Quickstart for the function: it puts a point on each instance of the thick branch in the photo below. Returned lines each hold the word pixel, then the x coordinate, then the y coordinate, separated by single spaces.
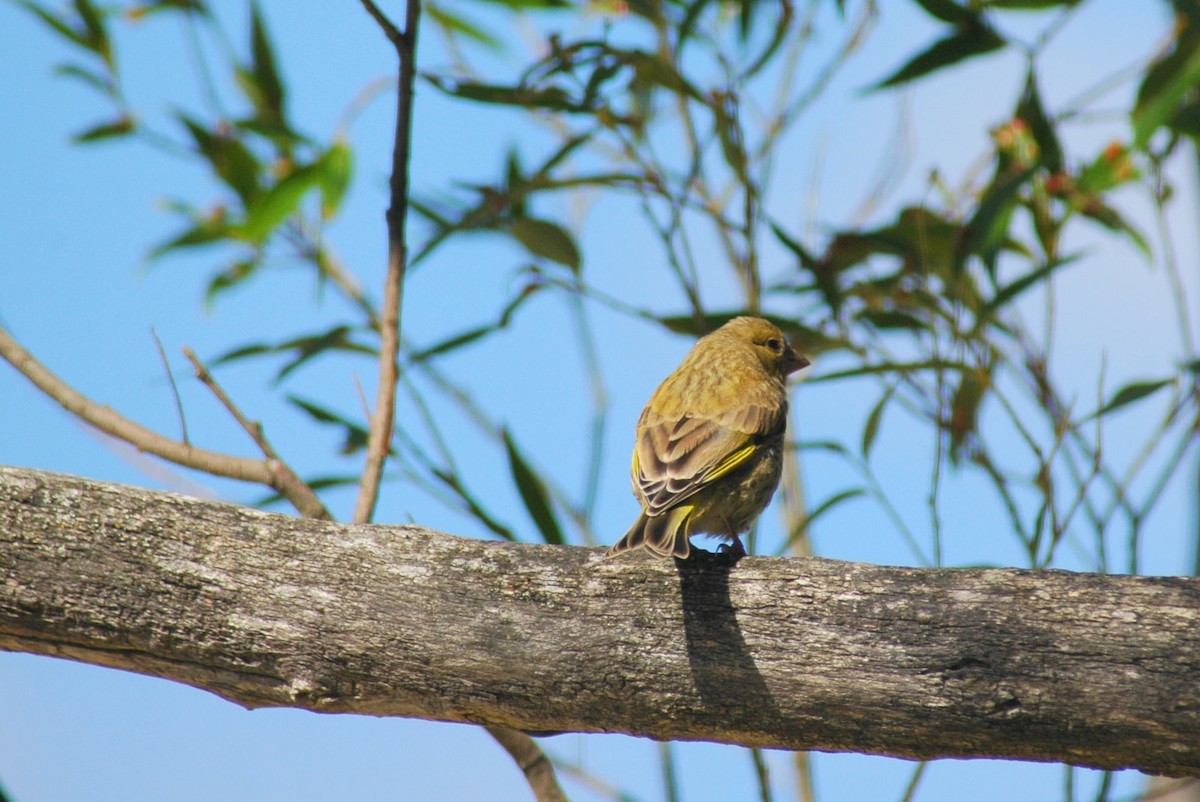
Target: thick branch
pixel 790 653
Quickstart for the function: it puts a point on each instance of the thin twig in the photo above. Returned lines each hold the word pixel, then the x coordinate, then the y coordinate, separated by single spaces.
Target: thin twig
pixel 162 355
pixel 532 761
pixel 383 418
pixel 110 422
pixel 289 485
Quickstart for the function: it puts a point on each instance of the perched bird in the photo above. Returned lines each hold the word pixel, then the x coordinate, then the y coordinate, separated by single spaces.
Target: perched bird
pixel 709 446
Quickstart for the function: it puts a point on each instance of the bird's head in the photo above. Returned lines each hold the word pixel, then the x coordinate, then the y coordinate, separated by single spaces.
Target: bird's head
pixel 768 343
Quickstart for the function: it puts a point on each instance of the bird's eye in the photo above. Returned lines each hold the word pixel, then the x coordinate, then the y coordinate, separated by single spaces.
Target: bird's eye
pixel 775 345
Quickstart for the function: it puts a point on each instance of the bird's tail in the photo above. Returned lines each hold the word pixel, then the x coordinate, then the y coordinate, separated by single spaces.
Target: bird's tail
pixel 665 535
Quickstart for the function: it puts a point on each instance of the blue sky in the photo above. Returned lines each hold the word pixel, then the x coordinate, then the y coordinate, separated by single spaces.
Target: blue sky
pixel 75 290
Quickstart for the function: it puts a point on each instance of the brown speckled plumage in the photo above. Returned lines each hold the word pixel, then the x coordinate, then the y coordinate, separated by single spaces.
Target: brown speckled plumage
pixel 709 445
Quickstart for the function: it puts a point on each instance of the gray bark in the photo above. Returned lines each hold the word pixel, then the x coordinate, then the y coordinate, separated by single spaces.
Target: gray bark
pixel 265 609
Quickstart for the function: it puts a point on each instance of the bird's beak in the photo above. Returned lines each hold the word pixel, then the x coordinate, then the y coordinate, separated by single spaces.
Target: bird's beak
pixel 794 361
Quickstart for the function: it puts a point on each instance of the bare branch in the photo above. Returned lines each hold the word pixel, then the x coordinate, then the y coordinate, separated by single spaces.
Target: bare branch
pixel 291 486
pixel 532 761
pixel 107 420
pixel 383 418
pixel 271 610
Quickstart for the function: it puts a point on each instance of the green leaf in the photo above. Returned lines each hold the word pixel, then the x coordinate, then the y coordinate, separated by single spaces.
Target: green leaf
pixel 334 170
pixel 101 83
pixel 473 504
pixel 230 277
pixel 454 24
pixel 1134 391
pixel 303 348
pixel 1033 112
pixel 1006 294
pixel 204 232
pixel 651 69
pixel 820 510
pixel 452 343
pixel 892 319
pixel 988 227
pixel 964 410
pixel 354 436
pixel 94 34
pixel 873 420
pixel 533 493
pixel 547 240
pixel 1111 219
pixel 274 206
pixel 58 24
pixel 946 11
pixel 552 97
pixel 266 91
pixel 890 367
pixel 1165 85
pixel 955 48
pixel 119 127
pixel 729 133
pixel 232 162
pixel 799 251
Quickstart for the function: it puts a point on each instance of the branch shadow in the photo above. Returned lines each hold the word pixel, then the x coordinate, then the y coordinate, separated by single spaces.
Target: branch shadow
pixel 716 651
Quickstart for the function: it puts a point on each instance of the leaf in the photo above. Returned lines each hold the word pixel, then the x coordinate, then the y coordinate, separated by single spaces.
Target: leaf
pixel 334 169
pixel 651 69
pixel 871 429
pixel 231 160
pixel 267 93
pixel 1134 391
pixel 119 127
pixel 1033 112
pixel 946 11
pixel 533 493
pixel 102 83
pixel 729 133
pixel 204 232
pixel 303 348
pixel 822 508
pixel 452 23
pixel 964 410
pixel 452 343
pixel 960 46
pixel 230 277
pixel 278 203
pixel 892 319
pixel 1111 219
pixel 552 97
pixel 1016 287
pixel 473 504
pixel 799 251
pixel 1165 85
pixel 988 227
pixel 890 367
pixel 547 240
pixel 354 435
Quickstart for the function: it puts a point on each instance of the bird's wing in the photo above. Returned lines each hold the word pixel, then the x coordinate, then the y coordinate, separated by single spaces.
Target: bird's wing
pixel 674 459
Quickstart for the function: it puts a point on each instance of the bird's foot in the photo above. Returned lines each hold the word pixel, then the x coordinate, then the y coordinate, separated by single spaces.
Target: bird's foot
pixel 734 549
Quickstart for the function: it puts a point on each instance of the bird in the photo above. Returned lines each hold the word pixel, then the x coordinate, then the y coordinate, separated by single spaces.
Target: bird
pixel 708 449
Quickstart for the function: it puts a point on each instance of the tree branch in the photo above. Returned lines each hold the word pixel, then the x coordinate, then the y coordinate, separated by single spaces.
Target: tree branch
pixel 383 417
pixel 290 486
pixel 110 422
pixel 268 610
